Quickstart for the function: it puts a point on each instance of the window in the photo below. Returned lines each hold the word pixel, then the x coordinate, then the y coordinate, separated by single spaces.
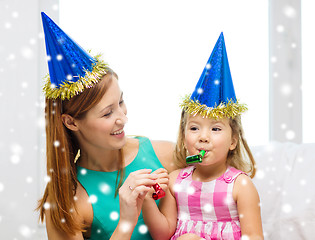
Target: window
pixel 308 80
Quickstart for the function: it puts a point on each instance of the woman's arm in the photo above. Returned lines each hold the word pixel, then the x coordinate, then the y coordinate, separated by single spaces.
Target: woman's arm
pixel 83 215
pixel 161 221
pixel 248 206
pixel 131 197
pixel 56 234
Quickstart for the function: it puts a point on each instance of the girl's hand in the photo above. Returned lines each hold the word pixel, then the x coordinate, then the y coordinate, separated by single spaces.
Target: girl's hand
pixel 162 180
pixel 132 194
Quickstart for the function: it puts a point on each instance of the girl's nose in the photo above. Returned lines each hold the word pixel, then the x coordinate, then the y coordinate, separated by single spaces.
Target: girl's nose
pixel 204 137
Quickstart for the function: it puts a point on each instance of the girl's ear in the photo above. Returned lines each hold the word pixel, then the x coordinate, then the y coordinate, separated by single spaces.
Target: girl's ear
pixel 233 143
pixel 69 122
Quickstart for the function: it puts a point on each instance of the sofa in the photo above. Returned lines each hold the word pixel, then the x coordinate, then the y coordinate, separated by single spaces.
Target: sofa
pixel 285 180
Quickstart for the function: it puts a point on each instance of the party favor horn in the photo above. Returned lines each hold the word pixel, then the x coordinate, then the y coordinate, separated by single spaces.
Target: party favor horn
pixel 195 158
pixel 159 192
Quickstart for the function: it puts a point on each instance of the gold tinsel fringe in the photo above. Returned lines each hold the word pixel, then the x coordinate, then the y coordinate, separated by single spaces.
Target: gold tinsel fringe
pixel 228 110
pixel 68 89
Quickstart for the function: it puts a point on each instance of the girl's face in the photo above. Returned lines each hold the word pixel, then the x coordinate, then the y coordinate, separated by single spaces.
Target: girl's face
pixel 103 125
pixel 213 136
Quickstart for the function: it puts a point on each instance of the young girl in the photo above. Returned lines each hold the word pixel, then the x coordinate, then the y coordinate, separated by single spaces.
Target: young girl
pixel 98 177
pixel 214 199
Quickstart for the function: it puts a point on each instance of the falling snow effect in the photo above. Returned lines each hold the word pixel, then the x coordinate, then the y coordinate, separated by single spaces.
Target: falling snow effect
pixel 200 91
pixel 56 143
pixel 25 231
pixel 105 188
pixel 47 205
pixel 83 171
pixel 284 171
pixel 143 229
pixel 208 208
pixel 93 199
pixel 114 216
pixel 126 227
pixel 283 175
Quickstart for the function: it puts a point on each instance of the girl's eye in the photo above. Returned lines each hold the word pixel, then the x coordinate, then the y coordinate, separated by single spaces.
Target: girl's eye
pixel 215 129
pixel 121 102
pixel 193 128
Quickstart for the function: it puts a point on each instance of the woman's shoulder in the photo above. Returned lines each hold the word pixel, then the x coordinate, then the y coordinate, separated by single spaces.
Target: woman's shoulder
pixel 164 150
pixel 163 146
pixel 159 146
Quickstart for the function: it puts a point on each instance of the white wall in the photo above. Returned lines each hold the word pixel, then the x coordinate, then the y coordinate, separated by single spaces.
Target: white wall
pixel 22 158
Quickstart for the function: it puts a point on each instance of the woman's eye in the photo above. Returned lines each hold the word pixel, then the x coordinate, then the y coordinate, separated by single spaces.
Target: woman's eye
pixel 108 114
pixel 121 102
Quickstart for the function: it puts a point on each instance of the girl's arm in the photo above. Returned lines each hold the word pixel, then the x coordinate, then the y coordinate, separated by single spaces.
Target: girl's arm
pixel 248 206
pixel 161 221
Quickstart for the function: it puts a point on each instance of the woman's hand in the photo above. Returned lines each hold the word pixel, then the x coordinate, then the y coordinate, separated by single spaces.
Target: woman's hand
pixel 132 194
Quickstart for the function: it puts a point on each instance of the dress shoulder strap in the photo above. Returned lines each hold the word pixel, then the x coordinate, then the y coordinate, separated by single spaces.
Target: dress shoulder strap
pixel 231 174
pixel 147 154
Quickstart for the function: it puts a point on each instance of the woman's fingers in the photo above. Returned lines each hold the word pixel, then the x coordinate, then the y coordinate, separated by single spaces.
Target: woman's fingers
pixel 140 177
pixel 134 190
pixel 140 191
pixel 140 182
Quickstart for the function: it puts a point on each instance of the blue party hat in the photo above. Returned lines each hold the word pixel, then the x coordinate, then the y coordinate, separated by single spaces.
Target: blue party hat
pixel 71 68
pixel 214 95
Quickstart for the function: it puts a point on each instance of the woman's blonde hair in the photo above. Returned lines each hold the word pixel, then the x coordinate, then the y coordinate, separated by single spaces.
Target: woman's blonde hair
pixel 61 169
pixel 241 157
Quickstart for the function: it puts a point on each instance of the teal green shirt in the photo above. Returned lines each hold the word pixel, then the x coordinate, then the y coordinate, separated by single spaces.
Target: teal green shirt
pixel 100 186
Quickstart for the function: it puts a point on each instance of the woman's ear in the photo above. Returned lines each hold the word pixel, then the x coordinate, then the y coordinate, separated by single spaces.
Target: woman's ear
pixel 69 122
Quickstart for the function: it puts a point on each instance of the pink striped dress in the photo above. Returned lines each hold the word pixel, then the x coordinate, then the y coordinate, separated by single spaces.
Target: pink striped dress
pixel 207 209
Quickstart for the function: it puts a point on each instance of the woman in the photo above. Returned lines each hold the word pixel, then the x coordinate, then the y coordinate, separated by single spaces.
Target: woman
pixel 100 195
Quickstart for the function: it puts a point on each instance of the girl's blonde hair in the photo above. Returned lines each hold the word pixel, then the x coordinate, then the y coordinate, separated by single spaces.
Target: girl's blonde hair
pixel 241 157
pixel 61 169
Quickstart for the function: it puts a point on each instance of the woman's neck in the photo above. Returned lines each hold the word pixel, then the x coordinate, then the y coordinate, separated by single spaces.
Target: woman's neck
pixel 108 160
pixel 105 160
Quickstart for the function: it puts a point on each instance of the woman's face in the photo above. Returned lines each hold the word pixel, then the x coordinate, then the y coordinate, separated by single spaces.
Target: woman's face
pixel 103 126
pixel 213 136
